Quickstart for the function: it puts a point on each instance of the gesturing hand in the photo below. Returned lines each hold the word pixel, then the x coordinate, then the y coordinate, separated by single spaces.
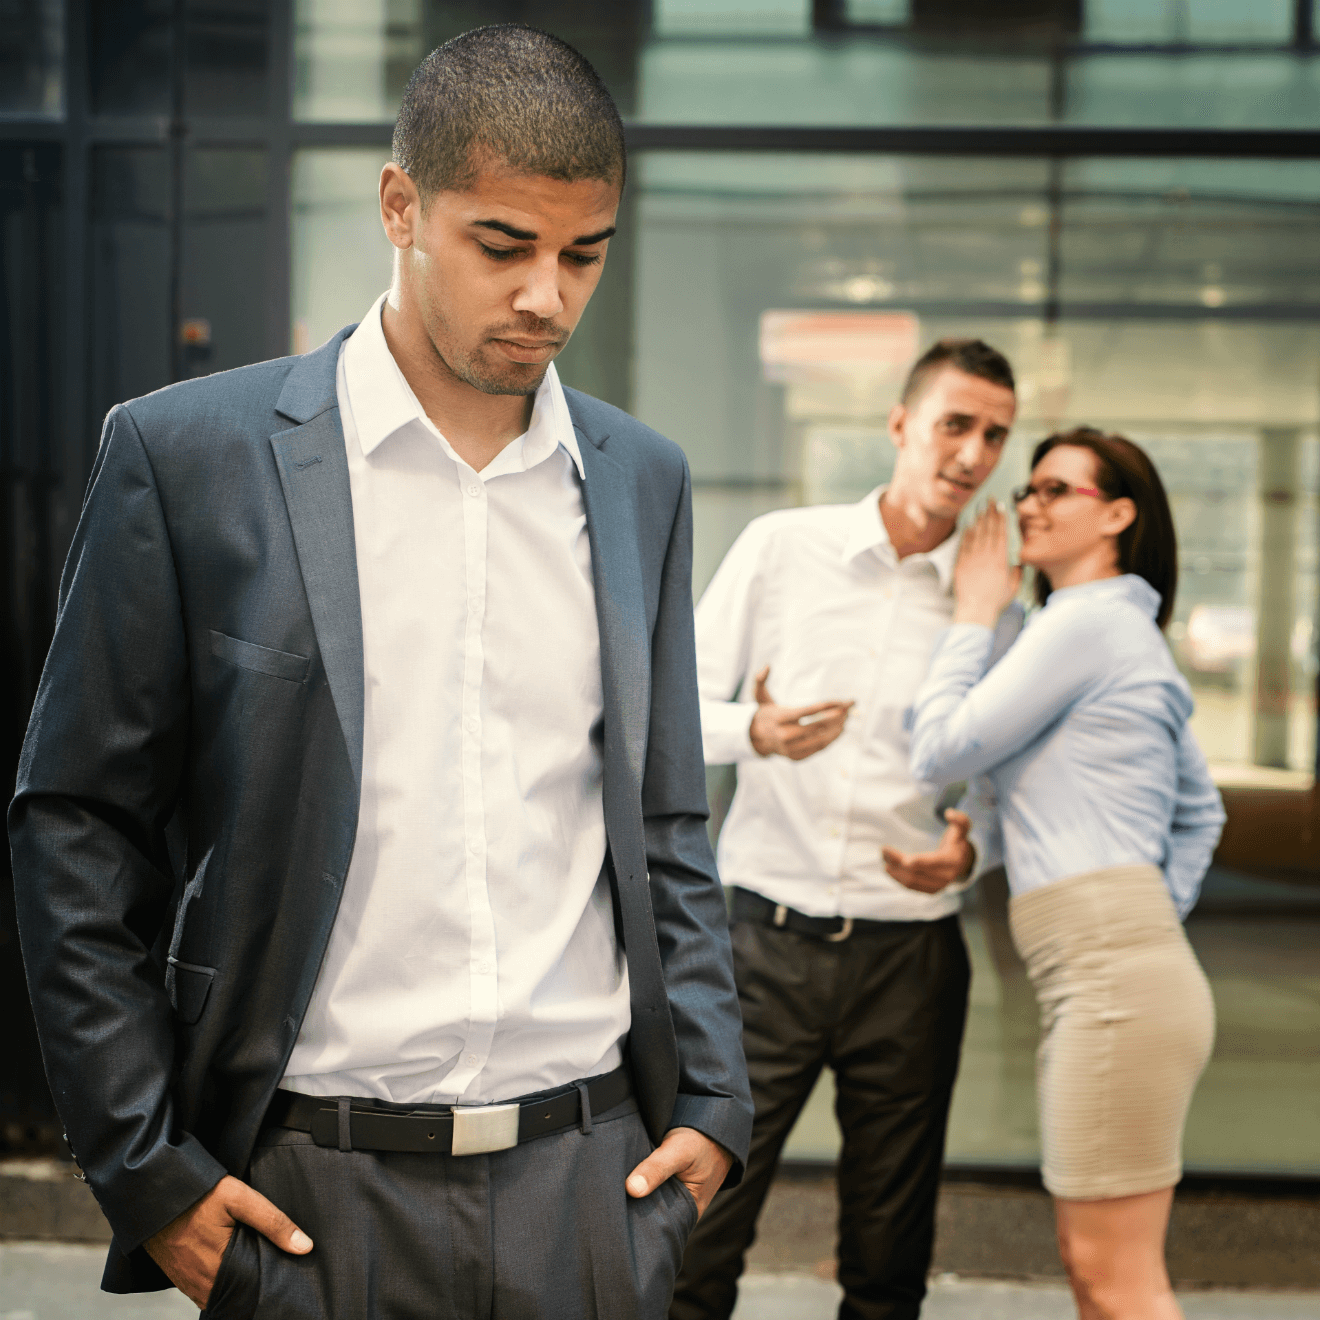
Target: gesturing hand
pixel 189 1248
pixel 930 872
pixel 983 580
pixel 780 731
pixel 699 1163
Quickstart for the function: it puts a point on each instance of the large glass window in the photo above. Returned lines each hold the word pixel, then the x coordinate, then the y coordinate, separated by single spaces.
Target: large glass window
pixel 341 257
pixel 1171 300
pixel 31 58
pixel 354 56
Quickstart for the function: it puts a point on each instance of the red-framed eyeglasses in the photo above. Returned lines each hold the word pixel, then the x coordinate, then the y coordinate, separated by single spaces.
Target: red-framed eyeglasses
pixel 1046 492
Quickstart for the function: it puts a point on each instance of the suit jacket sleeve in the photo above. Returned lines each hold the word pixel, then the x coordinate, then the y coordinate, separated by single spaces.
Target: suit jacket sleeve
pixel 686 897
pixel 98 780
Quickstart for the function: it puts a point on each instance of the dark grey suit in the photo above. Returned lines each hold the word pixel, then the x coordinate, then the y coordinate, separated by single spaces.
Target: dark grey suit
pixel 188 793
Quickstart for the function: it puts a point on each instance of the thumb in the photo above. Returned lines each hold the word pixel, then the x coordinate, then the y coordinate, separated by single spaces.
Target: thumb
pixel 248 1206
pixel 763 696
pixel 659 1166
pixel 959 825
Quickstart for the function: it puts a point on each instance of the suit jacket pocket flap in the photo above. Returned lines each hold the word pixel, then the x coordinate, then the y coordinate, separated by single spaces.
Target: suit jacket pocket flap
pixel 264 659
pixel 192 984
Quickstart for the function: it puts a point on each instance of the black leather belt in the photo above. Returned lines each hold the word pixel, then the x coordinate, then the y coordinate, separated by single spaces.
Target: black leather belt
pixel 356 1124
pixel 750 906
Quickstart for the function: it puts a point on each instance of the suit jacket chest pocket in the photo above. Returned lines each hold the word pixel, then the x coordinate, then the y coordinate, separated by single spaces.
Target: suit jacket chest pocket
pixel 260 659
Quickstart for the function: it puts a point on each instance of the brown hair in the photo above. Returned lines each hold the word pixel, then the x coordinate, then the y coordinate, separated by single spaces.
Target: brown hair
pixel 973 356
pixel 1148 546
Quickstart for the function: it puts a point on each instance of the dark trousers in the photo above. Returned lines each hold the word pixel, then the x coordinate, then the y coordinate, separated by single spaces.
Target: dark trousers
pixel 544 1231
pixel 887 1014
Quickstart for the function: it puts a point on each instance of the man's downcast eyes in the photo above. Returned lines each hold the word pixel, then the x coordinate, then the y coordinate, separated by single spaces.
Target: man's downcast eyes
pixel 507 254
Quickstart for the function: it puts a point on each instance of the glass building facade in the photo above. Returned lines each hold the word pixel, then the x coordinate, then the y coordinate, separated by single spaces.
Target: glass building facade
pixel 1122 195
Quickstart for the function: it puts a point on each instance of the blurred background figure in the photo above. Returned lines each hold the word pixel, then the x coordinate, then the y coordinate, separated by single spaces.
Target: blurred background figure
pixel 1109 819
pixel 838 964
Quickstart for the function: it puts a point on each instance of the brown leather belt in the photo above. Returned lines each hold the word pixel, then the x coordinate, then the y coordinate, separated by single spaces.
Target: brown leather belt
pixel 356 1124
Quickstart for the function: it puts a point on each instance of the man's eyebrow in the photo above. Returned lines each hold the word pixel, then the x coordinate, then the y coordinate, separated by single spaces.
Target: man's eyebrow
pixel 526 235
pixel 589 239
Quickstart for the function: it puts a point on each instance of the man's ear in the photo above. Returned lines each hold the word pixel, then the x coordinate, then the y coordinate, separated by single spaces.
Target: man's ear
pixel 897 425
pixel 400 206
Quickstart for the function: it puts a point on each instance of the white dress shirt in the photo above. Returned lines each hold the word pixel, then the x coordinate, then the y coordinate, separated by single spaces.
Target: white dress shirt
pixel 820 596
pixel 474 955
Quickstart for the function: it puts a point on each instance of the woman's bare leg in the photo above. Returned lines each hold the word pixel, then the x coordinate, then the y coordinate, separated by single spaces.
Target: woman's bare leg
pixel 1113 1251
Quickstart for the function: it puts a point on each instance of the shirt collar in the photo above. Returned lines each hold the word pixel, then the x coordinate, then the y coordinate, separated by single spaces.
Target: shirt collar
pixel 383 402
pixel 1128 586
pixel 867 531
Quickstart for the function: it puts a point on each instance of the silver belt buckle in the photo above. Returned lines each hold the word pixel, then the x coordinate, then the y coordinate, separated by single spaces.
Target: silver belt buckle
pixel 480 1129
pixel 840 935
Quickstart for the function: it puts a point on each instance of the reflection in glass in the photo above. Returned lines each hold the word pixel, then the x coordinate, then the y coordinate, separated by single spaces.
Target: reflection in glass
pixel 745 18
pixel 878 13
pixel 1236 90
pixel 354 57
pixel 31 58
pixel 225 51
pixel 1184 22
pixel 130 265
pixel 223 303
pixel 341 257
pixel 855 80
pixel 129 56
pixel 227 55
pixel 1187 321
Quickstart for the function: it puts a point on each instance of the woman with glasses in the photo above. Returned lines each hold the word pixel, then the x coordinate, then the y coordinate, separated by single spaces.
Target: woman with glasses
pixel 1109 818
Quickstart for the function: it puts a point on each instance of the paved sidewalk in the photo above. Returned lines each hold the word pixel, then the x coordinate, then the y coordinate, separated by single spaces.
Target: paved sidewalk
pixel 59 1281
pixel 800 1297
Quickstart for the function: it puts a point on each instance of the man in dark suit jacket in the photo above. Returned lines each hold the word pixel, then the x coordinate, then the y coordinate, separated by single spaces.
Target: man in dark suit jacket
pixel 364 890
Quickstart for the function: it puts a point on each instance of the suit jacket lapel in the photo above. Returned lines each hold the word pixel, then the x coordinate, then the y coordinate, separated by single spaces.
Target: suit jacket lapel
pixel 313 470
pixel 620 611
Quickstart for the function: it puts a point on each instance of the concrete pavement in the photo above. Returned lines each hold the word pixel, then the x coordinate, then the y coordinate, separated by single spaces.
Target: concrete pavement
pixel 59 1281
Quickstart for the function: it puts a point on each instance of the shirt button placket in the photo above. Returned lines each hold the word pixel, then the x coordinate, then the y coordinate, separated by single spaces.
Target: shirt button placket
pixel 481 954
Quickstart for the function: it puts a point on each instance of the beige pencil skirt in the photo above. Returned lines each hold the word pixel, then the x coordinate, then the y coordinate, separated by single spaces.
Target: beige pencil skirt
pixel 1127 1023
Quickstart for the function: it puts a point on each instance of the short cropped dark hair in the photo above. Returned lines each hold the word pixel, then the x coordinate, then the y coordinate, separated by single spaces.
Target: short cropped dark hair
pixel 507 93
pixel 973 356
pixel 1148 546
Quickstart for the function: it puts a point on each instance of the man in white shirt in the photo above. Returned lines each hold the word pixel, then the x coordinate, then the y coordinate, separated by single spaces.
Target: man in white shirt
pixel 836 609
pixel 372 922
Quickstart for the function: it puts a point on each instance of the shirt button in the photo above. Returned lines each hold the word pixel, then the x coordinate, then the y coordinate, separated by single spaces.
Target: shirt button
pixel 834 832
pixel 484 969
pixel 474 491
pixel 472 1060
pixel 473 726
pixel 474 845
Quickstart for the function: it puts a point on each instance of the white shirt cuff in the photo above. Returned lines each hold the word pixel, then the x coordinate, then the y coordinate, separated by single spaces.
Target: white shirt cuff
pixel 726 731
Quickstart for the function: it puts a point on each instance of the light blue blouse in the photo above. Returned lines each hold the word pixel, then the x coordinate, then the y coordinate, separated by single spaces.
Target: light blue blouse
pixel 1081 729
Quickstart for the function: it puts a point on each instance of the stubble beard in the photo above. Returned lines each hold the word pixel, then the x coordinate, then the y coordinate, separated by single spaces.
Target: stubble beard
pixel 507 379
pixel 483 370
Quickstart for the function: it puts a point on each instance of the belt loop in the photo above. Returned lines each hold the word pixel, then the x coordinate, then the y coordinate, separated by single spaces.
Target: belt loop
pixel 585 1123
pixel 781 914
pixel 345 1124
